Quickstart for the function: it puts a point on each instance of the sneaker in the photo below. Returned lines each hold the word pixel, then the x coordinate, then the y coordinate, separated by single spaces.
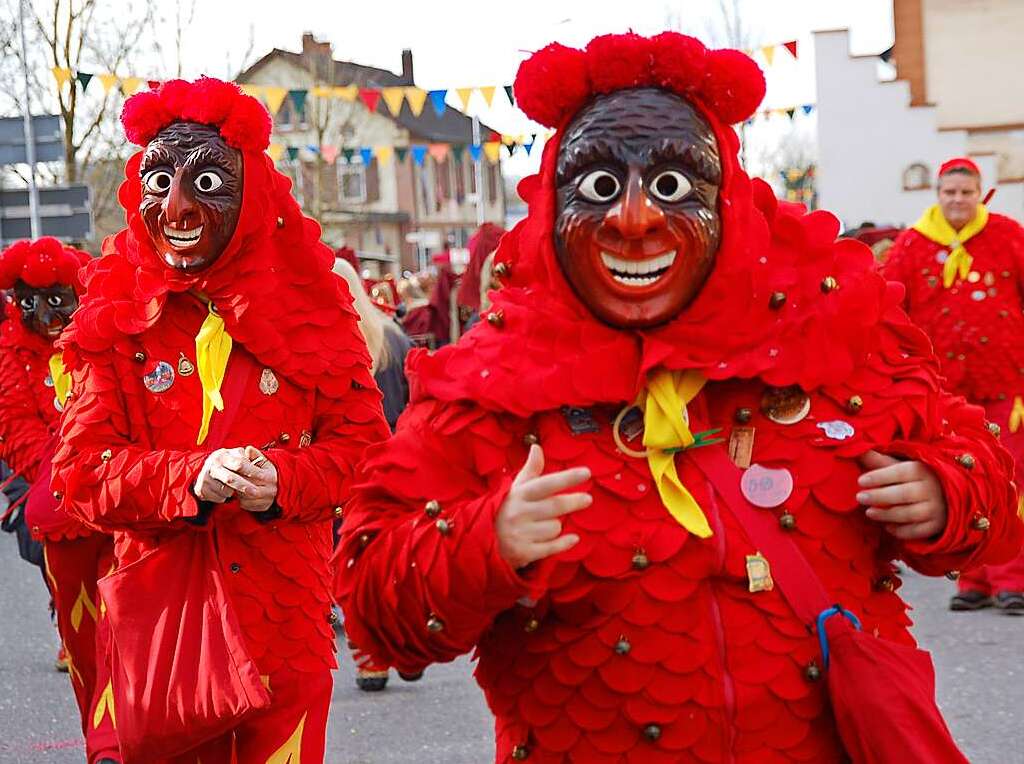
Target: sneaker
pixel 1011 603
pixel 61 661
pixel 371 681
pixel 970 600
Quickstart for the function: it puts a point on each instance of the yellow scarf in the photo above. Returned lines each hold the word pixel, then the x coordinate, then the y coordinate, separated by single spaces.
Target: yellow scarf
pixel 61 379
pixel 666 431
pixel 933 224
pixel 213 348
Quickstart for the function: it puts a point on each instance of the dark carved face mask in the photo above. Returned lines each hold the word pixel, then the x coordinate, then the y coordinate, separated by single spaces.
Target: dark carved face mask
pixel 637 224
pixel 191 195
pixel 46 310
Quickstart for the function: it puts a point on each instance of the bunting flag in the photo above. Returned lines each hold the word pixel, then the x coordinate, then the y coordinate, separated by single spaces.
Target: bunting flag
pixel 130 85
pixel 299 100
pixel 419 154
pixel 108 81
pixel 807 107
pixel 416 98
pixel 274 96
pixel 393 98
pixel 384 153
pixel 275 151
pixel 329 153
pixel 439 151
pixel 508 92
pixel 401 152
pixel 348 154
pixel 529 146
pixel 791 47
pixel 293 153
pixel 370 98
pixel 83 80
pixel 458 150
pixel 320 91
pixel 347 92
pixel 366 153
pixel 768 51
pixel 437 101
pixel 487 93
pixel 790 113
pixel 492 150
pixel 474 151
pixel 62 75
pixel 464 95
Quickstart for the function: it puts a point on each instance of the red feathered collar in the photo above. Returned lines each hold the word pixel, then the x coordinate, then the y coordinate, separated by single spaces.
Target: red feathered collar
pixel 549 350
pixel 273 286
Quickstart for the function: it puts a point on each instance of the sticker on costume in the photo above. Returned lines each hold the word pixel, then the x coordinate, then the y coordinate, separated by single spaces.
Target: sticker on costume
pixel 268 382
pixel 785 405
pixel 160 379
pixel 185 367
pixel 580 420
pixel 759 573
pixel 48 381
pixel 837 429
pixel 766 488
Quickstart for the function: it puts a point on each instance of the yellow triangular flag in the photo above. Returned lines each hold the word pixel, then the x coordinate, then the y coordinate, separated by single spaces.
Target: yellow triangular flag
pixel 383 153
pixel 108 80
pixel 488 94
pixel 508 140
pixel 320 92
pixel 393 97
pixel 492 150
pixel 348 92
pixel 464 95
pixel 768 51
pixel 275 151
pixel 256 91
pixel 416 99
pixel 130 84
pixel 275 97
pixel 62 75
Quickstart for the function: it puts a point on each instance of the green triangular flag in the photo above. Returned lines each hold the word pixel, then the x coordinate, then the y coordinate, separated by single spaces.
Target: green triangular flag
pixel 401 152
pixel 457 150
pixel 508 92
pixel 83 79
pixel 293 153
pixel 348 154
pixel 299 99
pixel 511 148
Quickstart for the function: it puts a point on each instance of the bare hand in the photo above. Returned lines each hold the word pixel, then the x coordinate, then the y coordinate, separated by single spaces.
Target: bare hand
pixel 903 495
pixel 233 473
pixel 527 525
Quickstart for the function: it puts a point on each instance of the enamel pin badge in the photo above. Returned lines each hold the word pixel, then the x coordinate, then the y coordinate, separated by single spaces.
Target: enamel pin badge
pixel 160 378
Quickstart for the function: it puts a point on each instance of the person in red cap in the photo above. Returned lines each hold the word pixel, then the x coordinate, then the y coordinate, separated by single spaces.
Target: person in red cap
pixel 963 270
pixel 676 366
pixel 43 279
pixel 221 394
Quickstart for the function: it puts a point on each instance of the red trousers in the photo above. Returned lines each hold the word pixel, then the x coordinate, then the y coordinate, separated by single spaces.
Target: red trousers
pixel 1009 577
pixel 72 569
pixel 293 730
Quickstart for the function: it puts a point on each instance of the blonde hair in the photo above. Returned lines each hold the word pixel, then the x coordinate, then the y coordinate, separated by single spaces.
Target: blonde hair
pixel 372 322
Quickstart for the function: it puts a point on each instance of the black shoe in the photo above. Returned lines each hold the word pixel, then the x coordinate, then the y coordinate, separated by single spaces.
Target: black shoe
pixel 1011 603
pixel 970 600
pixel 411 677
pixel 372 682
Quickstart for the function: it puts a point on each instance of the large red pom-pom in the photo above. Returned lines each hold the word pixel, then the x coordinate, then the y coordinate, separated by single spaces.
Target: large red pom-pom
pixel 211 101
pixel 11 262
pixel 42 263
pixel 249 125
pixel 143 116
pixel 733 85
pixel 552 84
pixel 619 61
pixel 678 62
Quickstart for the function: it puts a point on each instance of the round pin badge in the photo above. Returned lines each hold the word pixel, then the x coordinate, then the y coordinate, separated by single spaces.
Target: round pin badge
pixel 766 488
pixel 160 378
pixel 837 429
pixel 785 405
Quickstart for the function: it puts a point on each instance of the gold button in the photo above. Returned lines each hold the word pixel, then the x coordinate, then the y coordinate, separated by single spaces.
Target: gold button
pixel 885 584
pixel 640 561
pixel 338 512
pixel 953 575
pixel 622 647
pixel 743 415
pixel 652 732
pixel 140 357
pixel 444 527
pixel 777 300
pixel 496 319
pixel 432 508
pixel 106 455
pixel 829 284
pixel 501 270
pixel 993 428
pixel 435 625
pixel 983 340
pixel 332 617
pixel 520 752
pixel 531 626
pixel 812 672
pixel 280 222
pixel 981 524
pixel 284 437
pixel 945 311
pixel 364 539
pixel 966 461
pixel 787 521
pixel 531 439
pixel 855 404
pixel 58 495
pixel 1004 313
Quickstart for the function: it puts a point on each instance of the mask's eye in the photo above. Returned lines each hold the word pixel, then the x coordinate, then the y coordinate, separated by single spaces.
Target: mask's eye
pixel 208 181
pixel 157 181
pixel 600 186
pixel 27 303
pixel 670 186
pixel 55 300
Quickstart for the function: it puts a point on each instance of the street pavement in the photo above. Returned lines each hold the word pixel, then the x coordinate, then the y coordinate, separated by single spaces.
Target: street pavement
pixel 443 719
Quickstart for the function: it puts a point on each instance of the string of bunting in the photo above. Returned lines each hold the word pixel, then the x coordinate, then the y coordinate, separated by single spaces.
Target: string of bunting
pixel 768 51
pixel 789 111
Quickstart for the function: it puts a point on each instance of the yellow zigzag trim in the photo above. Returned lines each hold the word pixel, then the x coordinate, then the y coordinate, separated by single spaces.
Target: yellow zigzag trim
pixel 83 602
pixel 103 705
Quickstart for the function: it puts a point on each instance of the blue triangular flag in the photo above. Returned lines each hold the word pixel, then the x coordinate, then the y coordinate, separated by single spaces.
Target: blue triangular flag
pixel 419 153
pixel 528 147
pixel 437 99
pixel 475 150
pixel 312 147
pixel 807 107
pixel 367 154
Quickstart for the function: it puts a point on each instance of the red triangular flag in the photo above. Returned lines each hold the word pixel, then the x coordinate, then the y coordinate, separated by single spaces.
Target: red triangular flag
pixel 370 97
pixel 153 84
pixel 791 47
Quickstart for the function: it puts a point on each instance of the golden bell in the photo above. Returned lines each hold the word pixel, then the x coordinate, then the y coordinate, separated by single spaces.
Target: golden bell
pixel 432 508
pixel 854 404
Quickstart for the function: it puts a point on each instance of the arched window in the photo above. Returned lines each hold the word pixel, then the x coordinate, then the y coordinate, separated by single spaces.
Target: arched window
pixel 916 177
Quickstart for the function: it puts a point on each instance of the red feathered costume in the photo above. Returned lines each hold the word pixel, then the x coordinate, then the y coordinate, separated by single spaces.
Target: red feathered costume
pixel 643 643
pixel 975 326
pixel 76 556
pixel 299 374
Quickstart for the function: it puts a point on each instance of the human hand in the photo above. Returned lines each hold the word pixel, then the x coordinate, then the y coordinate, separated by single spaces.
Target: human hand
pixel 527 524
pixel 905 496
pixel 242 473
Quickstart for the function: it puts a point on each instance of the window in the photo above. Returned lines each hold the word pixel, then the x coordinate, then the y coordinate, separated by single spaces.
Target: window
pixel 917 177
pixel 352 183
pixel 469 168
pixel 493 178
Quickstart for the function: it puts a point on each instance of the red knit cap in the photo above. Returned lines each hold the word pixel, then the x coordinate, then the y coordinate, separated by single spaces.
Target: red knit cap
pixel 556 81
pixel 959 163
pixel 243 122
pixel 42 263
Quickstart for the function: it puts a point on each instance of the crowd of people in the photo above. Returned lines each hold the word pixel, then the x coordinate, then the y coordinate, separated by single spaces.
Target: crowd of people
pixel 652 455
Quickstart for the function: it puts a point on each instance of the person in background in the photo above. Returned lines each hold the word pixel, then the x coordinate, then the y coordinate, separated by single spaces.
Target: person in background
pixel 472 288
pixel 963 270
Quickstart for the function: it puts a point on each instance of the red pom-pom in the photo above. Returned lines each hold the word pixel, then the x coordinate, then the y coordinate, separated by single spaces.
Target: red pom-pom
pixel 143 116
pixel 619 61
pixel 733 85
pixel 42 263
pixel 11 262
pixel 678 62
pixel 552 84
pixel 248 126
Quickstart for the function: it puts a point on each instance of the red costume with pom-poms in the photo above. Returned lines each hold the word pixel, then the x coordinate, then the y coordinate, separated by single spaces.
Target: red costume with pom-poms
pixel 975 326
pixel 643 643
pixel 75 555
pixel 298 376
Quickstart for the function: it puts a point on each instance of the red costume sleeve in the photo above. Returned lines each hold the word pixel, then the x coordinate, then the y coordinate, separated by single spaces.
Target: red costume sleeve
pixel 308 477
pixel 23 433
pixel 430 579
pixel 897 263
pixel 109 480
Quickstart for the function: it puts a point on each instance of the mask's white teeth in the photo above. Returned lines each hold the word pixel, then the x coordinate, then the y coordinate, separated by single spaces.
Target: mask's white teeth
pixel 182 239
pixel 638 273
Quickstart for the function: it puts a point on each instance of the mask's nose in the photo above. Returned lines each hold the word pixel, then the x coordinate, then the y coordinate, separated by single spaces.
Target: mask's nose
pixel 635 216
pixel 179 206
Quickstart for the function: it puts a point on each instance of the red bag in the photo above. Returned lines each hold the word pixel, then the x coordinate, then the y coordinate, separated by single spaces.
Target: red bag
pixel 882 693
pixel 43 515
pixel 181 674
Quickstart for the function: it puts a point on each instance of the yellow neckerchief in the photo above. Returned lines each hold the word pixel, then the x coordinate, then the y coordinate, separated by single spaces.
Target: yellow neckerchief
pixel 1017 414
pixel 665 432
pixel 933 224
pixel 61 379
pixel 213 348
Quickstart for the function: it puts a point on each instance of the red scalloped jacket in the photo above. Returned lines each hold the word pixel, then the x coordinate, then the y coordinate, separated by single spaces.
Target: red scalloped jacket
pixel 581 654
pixel 976 325
pixel 128 456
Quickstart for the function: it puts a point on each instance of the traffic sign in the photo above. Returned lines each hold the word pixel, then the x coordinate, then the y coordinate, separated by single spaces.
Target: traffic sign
pixel 64 212
pixel 48 137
